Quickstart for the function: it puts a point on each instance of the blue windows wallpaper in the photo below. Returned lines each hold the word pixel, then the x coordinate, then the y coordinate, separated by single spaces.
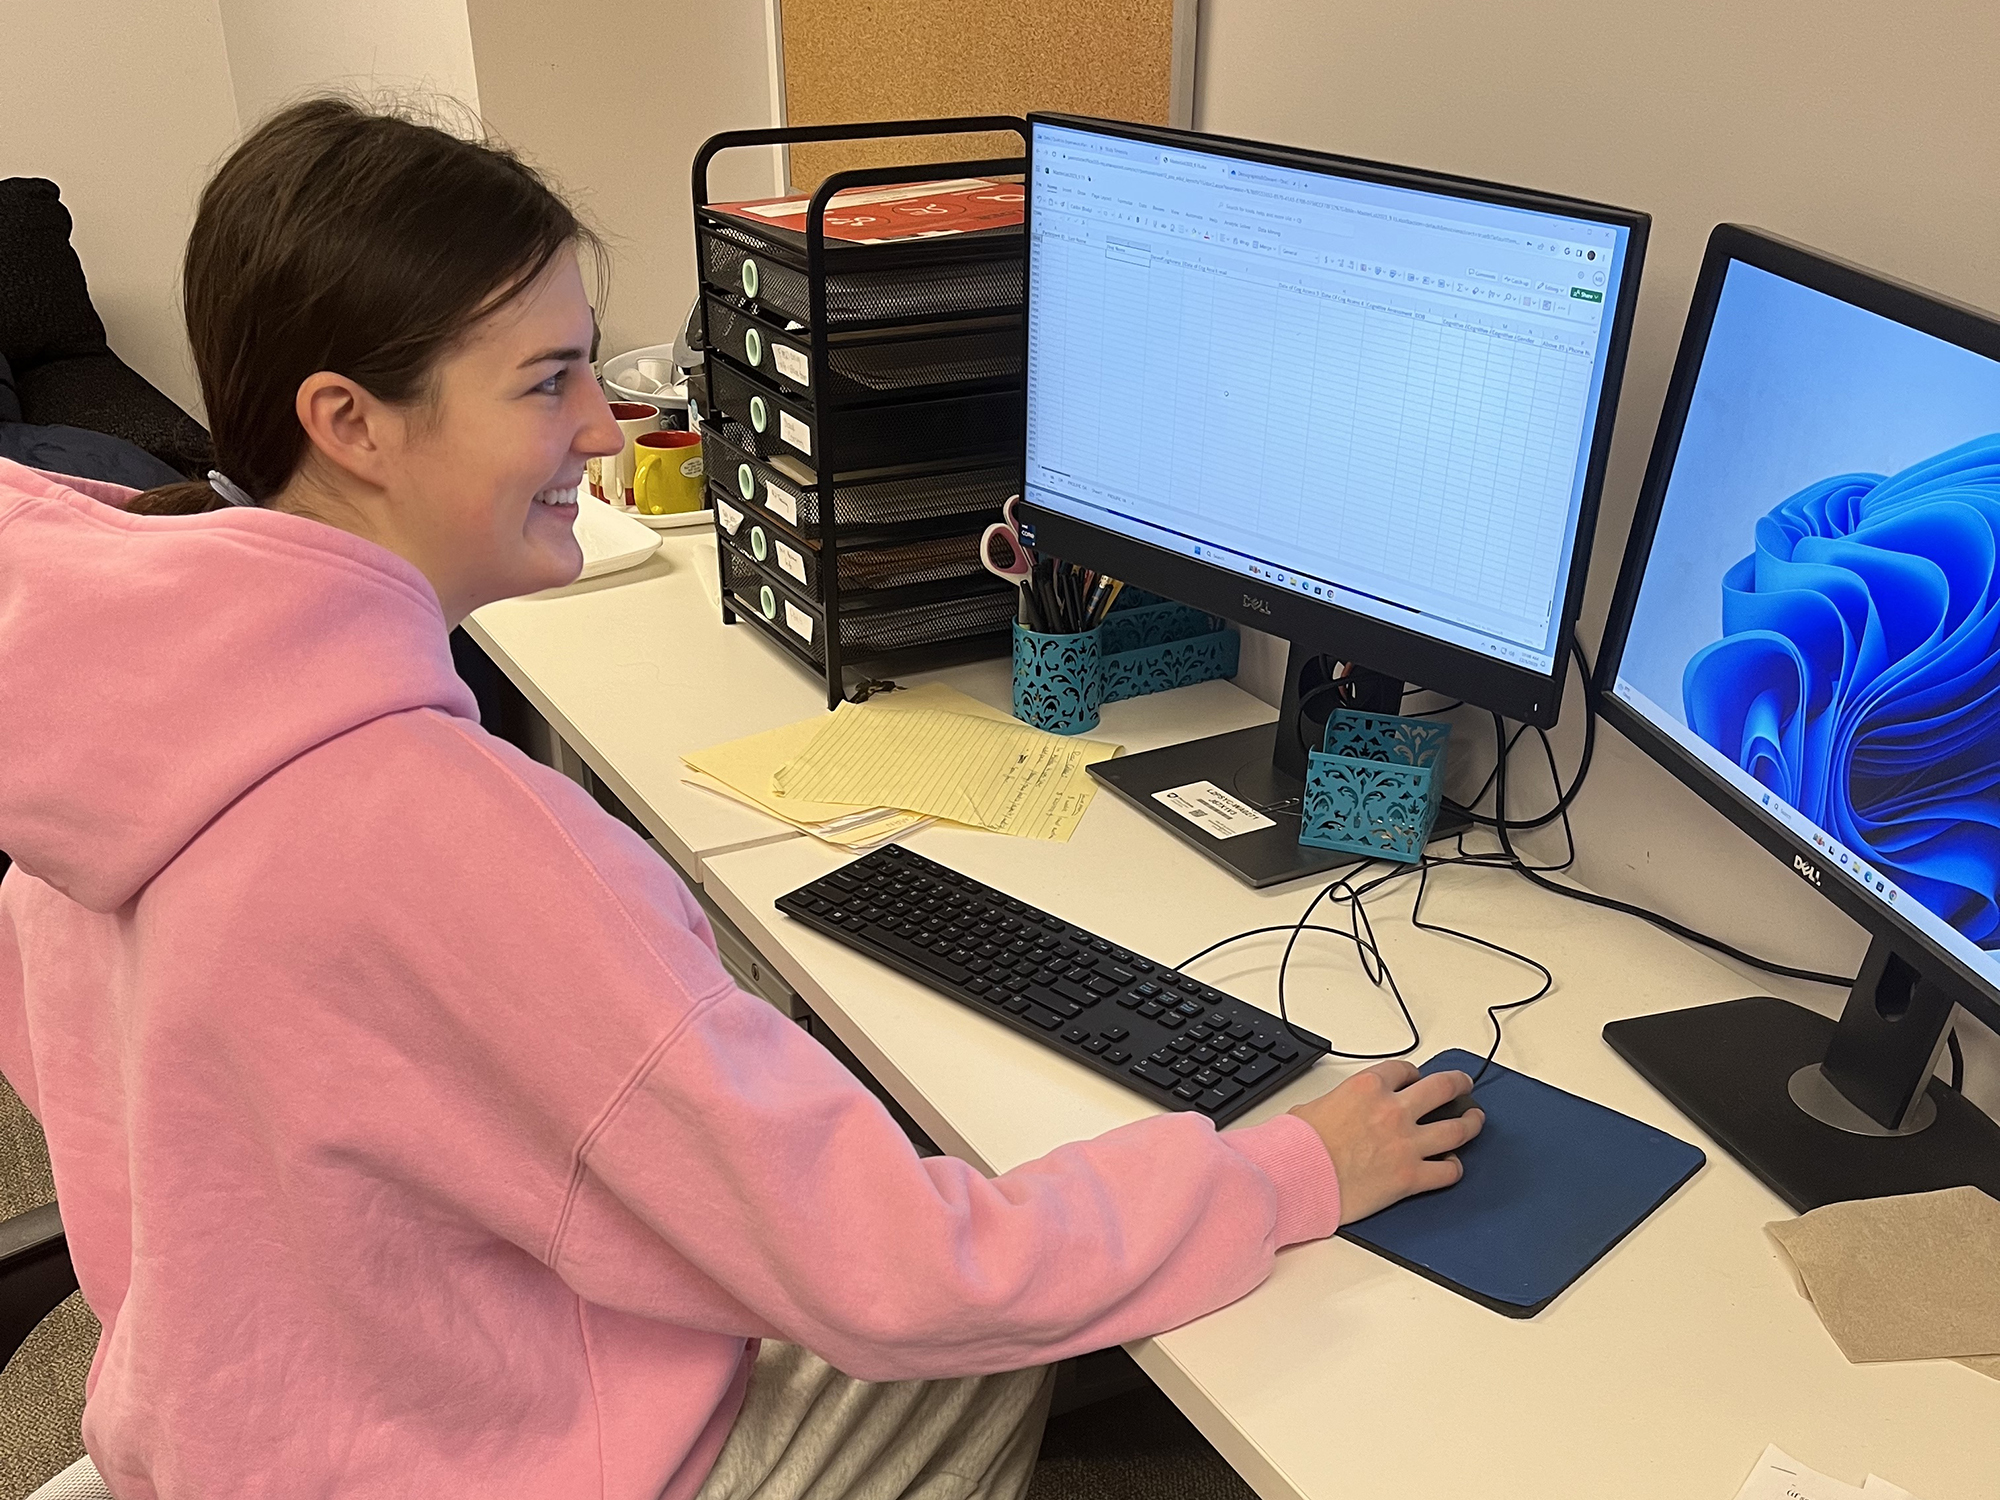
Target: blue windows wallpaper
pixel 1857 674
pixel 1822 602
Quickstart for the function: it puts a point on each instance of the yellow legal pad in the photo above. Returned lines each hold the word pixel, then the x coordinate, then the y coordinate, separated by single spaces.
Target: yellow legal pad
pixel 988 773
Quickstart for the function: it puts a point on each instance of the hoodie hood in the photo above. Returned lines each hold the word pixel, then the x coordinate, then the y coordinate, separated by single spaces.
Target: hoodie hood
pixel 154 668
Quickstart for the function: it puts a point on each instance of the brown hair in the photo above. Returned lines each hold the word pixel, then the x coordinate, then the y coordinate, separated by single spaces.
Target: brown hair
pixel 339 238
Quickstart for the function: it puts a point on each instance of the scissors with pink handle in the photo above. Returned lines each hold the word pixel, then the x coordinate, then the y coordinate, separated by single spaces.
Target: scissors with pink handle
pixel 1002 550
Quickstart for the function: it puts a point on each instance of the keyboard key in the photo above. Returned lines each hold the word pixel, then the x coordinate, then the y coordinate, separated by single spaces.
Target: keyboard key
pixel 1186 1068
pixel 1115 1033
pixel 1162 1056
pixel 1076 1034
pixel 1150 1008
pixel 1147 990
pixel 1201 1054
pixel 1182 1045
pixel 1239 1031
pixel 1119 975
pixel 1095 1044
pixel 1225 1067
pixel 1284 1052
pixel 1155 1074
pixel 1173 1022
pixel 1130 1002
pixel 1188 1091
pixel 1100 986
pixel 1019 1004
pixel 1048 1020
pixel 1253 1073
pixel 977 985
pixel 1116 1055
pixel 1243 1053
pixel 1219 1096
pixel 1208 1078
pixel 944 968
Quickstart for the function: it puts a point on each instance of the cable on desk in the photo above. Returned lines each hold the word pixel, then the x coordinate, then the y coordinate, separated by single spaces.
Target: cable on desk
pixel 1360 929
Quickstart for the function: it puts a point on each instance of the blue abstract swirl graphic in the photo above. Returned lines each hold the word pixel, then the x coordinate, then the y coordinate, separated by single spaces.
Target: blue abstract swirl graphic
pixel 1858 678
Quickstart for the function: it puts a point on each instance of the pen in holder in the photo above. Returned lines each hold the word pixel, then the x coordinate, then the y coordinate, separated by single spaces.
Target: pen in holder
pixel 1058 679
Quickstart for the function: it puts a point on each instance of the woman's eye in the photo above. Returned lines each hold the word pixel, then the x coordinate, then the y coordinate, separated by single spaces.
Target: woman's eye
pixel 553 385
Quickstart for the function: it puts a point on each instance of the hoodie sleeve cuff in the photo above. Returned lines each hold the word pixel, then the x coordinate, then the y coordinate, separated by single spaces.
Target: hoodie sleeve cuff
pixel 1291 1154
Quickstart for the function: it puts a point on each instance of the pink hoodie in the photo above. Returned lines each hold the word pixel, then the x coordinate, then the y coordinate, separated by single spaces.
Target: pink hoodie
pixel 410 1138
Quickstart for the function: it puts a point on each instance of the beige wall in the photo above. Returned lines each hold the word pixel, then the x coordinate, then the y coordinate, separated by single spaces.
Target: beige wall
pixel 1870 130
pixel 613 99
pixel 281 48
pixel 126 108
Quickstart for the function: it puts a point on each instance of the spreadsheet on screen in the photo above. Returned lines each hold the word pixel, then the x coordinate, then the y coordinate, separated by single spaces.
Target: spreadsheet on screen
pixel 1363 392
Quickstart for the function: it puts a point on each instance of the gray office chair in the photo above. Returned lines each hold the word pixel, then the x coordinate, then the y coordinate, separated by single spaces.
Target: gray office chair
pixel 47 1333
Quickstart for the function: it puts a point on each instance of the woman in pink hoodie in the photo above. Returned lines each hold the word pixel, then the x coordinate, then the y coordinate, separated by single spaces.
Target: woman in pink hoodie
pixel 409 1136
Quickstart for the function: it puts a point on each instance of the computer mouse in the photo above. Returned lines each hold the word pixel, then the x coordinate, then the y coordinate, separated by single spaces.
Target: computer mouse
pixel 1451 1109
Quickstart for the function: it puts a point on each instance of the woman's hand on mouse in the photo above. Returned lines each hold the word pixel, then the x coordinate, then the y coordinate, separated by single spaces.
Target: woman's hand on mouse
pixel 1380 1153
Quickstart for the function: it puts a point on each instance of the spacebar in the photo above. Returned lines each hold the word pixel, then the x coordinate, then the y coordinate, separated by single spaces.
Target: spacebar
pixel 944 968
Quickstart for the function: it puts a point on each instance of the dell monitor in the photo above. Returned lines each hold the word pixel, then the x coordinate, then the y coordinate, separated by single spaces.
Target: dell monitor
pixel 1807 633
pixel 1362 407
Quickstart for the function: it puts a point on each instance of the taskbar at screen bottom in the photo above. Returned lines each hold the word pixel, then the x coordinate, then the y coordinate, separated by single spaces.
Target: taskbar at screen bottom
pixel 1537 659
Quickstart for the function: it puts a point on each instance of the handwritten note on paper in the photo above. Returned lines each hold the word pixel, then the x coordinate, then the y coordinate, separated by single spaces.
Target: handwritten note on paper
pixel 1779 1476
pixel 986 773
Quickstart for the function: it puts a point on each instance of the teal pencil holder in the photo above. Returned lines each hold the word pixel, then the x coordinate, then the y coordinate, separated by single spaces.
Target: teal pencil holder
pixel 1058 679
pixel 1148 646
pixel 1375 787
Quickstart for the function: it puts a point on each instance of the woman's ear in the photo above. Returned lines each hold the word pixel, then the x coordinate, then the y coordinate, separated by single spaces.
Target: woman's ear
pixel 347 425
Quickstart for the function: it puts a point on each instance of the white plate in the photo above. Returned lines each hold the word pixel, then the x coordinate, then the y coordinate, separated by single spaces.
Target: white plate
pixel 674 522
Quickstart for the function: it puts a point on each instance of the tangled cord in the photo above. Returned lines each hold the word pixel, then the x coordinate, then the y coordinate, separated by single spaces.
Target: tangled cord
pixel 1360 929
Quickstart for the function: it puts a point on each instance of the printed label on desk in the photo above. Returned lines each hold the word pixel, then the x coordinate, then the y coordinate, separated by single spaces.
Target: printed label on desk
pixel 799 620
pixel 791 562
pixel 1213 810
pixel 795 432
pixel 791 364
pixel 729 516
pixel 781 501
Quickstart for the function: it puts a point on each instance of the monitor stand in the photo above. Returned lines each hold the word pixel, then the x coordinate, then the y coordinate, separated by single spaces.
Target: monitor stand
pixel 1263 769
pixel 1825 1112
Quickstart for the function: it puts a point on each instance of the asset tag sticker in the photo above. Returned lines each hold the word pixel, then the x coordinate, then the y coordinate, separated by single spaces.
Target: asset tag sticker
pixel 791 364
pixel 799 620
pixel 781 501
pixel 1213 810
pixel 790 560
pixel 795 432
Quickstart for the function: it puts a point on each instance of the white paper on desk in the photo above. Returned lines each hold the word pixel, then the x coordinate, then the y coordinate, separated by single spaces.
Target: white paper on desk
pixel 1779 1476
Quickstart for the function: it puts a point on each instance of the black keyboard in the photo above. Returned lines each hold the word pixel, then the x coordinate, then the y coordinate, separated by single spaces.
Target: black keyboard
pixel 1175 1040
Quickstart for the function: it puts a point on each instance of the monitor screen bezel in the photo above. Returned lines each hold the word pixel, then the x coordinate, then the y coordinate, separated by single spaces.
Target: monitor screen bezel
pixel 1313 624
pixel 1951 322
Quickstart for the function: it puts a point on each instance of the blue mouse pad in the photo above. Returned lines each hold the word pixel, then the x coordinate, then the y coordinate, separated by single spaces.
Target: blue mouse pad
pixel 1550 1184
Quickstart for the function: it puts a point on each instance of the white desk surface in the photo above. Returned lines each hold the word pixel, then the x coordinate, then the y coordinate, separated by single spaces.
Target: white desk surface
pixel 1663 1372
pixel 634 669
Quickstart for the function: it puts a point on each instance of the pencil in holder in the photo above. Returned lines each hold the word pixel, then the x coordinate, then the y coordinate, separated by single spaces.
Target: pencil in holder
pixel 1058 679
pixel 1375 787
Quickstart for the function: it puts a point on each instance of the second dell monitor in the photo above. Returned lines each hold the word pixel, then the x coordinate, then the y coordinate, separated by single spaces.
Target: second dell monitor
pixel 1363 407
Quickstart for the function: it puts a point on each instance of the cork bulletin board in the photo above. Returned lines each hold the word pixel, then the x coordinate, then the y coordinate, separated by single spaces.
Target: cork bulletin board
pixel 922 59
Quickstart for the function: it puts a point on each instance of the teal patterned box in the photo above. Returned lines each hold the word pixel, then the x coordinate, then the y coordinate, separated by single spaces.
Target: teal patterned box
pixel 1147 646
pixel 1374 790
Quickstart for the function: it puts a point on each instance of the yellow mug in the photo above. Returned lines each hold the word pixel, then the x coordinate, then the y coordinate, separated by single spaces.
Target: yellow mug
pixel 667 478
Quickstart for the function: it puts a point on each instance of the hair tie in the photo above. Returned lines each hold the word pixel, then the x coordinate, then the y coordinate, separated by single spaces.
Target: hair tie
pixel 226 487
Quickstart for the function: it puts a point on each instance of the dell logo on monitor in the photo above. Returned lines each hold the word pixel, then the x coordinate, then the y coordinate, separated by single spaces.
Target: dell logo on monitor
pixel 1810 871
pixel 1261 606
